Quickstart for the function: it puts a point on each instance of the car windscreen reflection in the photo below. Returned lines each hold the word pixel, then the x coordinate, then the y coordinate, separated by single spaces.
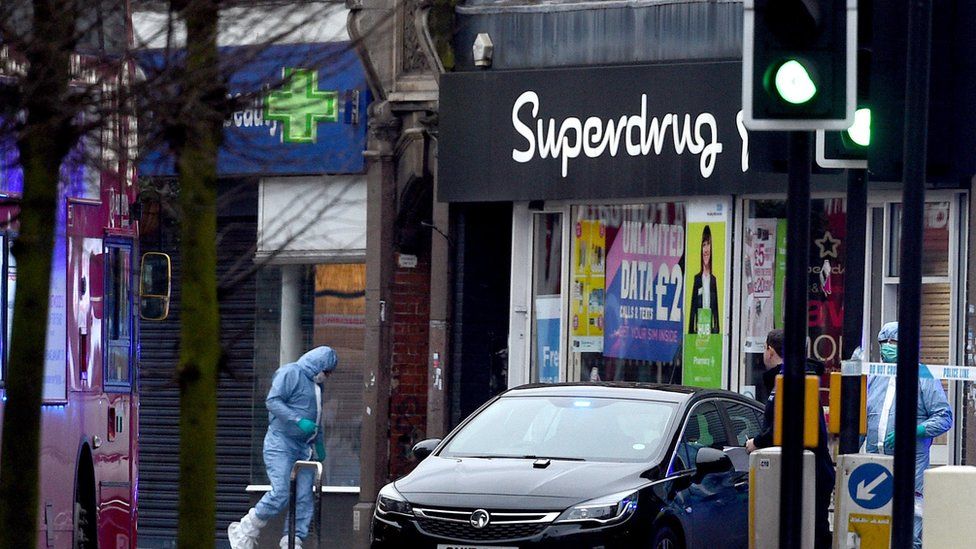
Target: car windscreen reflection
pixel 564 428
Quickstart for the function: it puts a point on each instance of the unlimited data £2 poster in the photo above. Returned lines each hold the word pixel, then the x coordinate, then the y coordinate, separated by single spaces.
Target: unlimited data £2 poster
pixel 705 291
pixel 643 312
pixel 587 297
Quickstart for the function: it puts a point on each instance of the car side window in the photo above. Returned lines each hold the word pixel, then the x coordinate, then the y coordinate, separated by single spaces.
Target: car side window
pixel 703 429
pixel 745 422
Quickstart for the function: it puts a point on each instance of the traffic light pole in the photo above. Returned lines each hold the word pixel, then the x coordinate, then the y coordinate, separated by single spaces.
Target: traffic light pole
pixel 850 386
pixel 798 244
pixel 910 272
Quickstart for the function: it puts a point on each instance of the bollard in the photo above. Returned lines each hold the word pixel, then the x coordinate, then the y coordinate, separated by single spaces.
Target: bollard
pixel 293 497
pixel 764 498
pixel 947 515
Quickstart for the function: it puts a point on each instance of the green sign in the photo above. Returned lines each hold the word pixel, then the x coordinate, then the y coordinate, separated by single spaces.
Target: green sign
pixel 301 105
pixel 705 290
pixel 780 274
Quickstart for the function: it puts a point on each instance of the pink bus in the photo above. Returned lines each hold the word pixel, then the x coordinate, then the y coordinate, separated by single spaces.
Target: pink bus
pixel 89 418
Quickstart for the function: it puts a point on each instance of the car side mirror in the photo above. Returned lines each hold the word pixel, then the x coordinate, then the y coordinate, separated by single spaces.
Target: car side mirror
pixel 710 460
pixel 425 447
pixel 154 286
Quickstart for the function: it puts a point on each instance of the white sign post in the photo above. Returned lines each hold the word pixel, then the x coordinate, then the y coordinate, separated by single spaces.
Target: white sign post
pixel 862 515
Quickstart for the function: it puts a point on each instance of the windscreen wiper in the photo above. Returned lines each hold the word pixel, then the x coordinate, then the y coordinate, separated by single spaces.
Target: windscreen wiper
pixel 555 458
pixel 529 456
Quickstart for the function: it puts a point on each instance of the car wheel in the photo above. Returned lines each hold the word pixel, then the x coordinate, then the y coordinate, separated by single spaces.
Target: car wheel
pixel 665 538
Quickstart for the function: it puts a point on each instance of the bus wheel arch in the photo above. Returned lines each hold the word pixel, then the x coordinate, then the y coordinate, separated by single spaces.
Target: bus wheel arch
pixel 85 513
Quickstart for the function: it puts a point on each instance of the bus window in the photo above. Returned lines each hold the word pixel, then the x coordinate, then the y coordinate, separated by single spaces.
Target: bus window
pixel 118 294
pixel 8 286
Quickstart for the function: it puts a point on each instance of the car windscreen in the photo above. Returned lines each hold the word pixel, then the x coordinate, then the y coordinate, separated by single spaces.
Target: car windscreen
pixel 556 427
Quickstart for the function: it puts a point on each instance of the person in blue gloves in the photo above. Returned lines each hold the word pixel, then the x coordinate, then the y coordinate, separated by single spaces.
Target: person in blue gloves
pixel 294 418
pixel 933 416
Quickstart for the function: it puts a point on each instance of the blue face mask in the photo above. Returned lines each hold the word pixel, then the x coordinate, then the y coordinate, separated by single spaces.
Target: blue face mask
pixel 889 352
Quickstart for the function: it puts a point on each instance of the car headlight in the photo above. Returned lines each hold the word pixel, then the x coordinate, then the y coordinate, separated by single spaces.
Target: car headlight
pixel 613 508
pixel 391 501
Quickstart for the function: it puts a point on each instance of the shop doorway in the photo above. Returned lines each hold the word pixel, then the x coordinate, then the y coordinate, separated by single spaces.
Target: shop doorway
pixel 547 298
pixel 940 312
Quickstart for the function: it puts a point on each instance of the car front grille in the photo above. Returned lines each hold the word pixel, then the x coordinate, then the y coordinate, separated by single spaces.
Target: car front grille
pixel 466 532
pixel 504 526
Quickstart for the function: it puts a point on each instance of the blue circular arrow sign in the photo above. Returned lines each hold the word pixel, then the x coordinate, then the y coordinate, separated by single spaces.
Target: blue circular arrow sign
pixel 870 485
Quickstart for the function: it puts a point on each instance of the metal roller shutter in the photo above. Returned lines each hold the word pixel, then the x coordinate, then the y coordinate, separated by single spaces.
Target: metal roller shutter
pixel 159 412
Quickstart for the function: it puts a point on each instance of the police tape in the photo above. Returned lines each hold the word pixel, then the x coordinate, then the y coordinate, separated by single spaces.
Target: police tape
pixel 887 369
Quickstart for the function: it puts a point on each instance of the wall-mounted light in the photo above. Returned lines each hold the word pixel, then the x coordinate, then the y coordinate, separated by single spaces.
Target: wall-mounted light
pixel 483 50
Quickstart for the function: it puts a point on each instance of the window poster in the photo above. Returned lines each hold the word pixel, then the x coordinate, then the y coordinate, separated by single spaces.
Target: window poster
pixel 825 299
pixel 587 297
pixel 759 273
pixel 644 279
pixel 779 304
pixel 547 313
pixel 705 290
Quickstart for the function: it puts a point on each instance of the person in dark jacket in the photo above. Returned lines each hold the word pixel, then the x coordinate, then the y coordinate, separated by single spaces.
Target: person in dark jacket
pixel 825 473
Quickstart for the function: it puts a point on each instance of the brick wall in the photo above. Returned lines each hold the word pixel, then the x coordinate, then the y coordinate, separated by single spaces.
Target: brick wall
pixel 408 383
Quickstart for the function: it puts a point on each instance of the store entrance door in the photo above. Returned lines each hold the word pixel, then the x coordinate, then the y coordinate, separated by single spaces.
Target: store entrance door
pixel 941 286
pixel 547 327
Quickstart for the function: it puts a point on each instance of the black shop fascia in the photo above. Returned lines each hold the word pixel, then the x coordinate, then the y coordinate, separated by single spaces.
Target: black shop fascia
pixel 608 132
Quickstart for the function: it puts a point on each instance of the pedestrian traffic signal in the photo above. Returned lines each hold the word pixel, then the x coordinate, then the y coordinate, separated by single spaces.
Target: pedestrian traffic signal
pixel 799 69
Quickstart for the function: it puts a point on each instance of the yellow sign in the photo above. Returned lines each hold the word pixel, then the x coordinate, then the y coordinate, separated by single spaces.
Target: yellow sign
pixel 587 293
pixel 874 531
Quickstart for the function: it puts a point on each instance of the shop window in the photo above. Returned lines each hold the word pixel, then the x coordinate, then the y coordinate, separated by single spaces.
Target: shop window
pixel 936 286
pixel 332 312
pixel 118 320
pixel 339 321
pixel 763 264
pixel 546 296
pixel 627 298
pixel 935 240
pixel 940 288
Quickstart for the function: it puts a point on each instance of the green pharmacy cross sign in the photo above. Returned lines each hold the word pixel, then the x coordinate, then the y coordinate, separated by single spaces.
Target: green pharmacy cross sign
pixel 301 105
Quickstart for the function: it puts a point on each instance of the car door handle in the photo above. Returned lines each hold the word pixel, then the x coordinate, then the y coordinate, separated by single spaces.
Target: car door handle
pixel 741 485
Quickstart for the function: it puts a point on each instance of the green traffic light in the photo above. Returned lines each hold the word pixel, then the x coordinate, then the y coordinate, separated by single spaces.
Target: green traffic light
pixel 793 83
pixel 860 132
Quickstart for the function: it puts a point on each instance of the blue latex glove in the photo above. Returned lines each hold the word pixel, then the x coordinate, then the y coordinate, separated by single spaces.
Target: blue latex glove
pixel 307 426
pixel 319 450
pixel 890 439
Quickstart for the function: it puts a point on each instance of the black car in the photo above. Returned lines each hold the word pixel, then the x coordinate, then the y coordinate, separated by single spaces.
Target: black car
pixel 587 465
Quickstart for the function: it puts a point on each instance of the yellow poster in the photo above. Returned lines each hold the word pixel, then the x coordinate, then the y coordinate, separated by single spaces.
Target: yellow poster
pixel 587 291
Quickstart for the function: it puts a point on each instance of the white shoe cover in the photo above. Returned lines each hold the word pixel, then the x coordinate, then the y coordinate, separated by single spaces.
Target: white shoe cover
pixel 283 544
pixel 244 534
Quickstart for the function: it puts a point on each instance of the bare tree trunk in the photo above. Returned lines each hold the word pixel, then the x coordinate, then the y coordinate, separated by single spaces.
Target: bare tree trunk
pixel 200 331
pixel 43 142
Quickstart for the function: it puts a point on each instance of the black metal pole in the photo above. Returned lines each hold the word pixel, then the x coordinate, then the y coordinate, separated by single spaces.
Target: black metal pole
pixel 910 273
pixel 318 512
pixel 292 507
pixel 797 258
pixel 850 387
